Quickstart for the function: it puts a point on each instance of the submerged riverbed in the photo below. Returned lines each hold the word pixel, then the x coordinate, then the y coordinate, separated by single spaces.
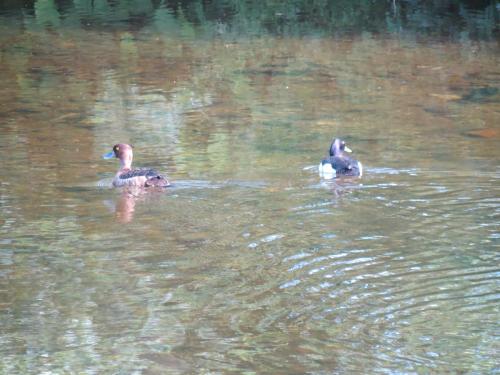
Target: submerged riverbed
pixel 250 262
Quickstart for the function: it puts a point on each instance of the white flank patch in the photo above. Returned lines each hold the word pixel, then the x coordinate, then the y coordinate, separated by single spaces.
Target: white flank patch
pixel 326 171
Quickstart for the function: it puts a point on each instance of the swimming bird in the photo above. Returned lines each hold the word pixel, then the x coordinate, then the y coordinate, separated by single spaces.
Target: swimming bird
pixel 338 163
pixel 128 176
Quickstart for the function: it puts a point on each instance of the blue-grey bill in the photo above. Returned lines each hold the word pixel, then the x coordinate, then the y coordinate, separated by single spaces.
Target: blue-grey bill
pixel 347 149
pixel 109 155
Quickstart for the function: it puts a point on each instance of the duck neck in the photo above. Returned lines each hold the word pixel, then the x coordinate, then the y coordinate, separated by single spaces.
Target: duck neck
pixel 126 162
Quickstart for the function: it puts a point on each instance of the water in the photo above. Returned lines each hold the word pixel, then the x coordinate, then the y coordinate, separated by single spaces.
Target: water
pixel 250 263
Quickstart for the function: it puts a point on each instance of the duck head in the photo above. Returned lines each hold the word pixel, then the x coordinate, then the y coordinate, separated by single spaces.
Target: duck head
pixel 123 152
pixel 338 147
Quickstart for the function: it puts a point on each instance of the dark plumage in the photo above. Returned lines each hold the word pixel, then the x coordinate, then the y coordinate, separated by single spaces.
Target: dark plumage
pixel 148 173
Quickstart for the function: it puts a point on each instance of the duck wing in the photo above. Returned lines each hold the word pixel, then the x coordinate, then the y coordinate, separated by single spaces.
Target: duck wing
pixel 342 165
pixel 339 164
pixel 148 173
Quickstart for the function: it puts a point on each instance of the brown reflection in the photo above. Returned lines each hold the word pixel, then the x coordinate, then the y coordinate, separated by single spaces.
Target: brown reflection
pixel 125 206
pixel 484 133
pixel 129 198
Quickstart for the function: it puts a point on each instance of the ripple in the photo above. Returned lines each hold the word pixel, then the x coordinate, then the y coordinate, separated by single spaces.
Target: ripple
pixel 266 239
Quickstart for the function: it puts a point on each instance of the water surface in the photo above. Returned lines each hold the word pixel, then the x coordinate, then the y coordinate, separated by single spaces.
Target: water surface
pixel 250 263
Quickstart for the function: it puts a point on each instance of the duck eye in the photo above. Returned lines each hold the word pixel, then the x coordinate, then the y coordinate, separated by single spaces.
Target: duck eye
pixel 117 148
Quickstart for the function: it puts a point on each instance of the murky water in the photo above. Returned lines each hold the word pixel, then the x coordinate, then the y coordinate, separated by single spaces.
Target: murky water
pixel 250 263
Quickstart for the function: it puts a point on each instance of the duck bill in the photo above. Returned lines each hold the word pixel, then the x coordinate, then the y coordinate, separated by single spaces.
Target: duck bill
pixel 109 155
pixel 347 149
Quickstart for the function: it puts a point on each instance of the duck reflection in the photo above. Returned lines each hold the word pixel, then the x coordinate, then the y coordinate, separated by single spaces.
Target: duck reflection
pixel 125 206
pixel 341 187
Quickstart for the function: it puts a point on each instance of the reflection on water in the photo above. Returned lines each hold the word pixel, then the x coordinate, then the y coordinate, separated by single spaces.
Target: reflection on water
pixel 250 262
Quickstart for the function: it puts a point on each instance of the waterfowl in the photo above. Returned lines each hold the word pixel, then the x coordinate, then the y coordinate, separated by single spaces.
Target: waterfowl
pixel 338 163
pixel 128 176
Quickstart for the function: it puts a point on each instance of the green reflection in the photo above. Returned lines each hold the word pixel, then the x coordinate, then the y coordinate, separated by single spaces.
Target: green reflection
pixel 229 18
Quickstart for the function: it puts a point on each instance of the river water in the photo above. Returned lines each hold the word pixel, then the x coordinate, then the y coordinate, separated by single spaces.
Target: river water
pixel 250 263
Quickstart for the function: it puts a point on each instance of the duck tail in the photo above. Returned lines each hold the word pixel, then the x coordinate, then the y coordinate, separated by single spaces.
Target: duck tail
pixel 157 181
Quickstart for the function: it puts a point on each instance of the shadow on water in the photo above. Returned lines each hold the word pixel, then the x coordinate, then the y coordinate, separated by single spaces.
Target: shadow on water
pixel 482 95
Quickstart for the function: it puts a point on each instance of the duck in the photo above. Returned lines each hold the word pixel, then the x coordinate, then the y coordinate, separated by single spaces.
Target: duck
pixel 133 177
pixel 339 163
